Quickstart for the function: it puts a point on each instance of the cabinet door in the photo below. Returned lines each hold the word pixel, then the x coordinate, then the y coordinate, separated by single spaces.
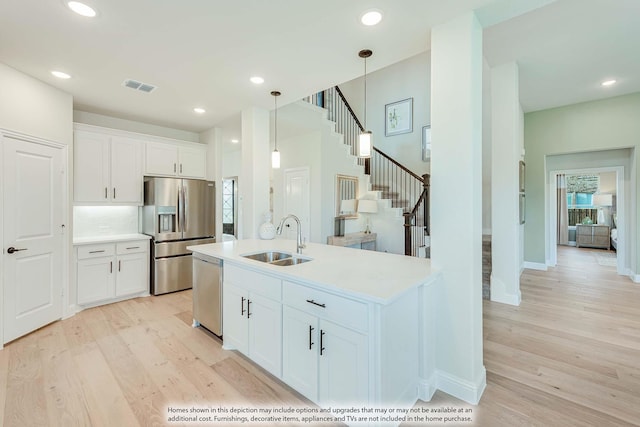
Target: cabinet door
pixel 235 330
pixel 126 171
pixel 161 159
pixel 192 162
pixel 91 167
pixel 95 279
pixel 300 351
pixel 265 333
pixel 343 367
pixel 132 276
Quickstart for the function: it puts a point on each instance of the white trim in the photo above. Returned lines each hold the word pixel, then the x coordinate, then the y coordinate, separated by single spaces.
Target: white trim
pixel 499 294
pixel 633 276
pixel 427 388
pixel 535 266
pixel 465 390
pixel 552 212
pixel 33 139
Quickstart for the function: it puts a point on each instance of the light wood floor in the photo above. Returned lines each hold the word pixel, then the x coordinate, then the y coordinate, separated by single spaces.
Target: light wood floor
pixel 568 356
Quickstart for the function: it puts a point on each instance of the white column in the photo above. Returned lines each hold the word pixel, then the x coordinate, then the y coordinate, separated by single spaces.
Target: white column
pixel 213 139
pixel 506 153
pixel 253 186
pixel 456 217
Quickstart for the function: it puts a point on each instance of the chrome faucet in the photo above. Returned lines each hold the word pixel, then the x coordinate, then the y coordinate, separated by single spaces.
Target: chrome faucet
pixel 299 245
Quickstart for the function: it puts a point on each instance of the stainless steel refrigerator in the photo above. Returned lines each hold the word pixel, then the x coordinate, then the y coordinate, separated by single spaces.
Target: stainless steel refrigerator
pixel 177 213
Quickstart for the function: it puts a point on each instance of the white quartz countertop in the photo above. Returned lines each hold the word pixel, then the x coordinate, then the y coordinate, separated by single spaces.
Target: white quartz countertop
pixel 109 239
pixel 374 276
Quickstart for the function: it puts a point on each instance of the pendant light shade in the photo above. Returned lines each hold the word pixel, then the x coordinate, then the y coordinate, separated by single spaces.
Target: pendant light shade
pixel 275 159
pixel 365 139
pixel 364 144
pixel 275 155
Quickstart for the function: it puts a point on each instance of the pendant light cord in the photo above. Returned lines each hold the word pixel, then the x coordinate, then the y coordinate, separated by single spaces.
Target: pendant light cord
pixel 365 93
pixel 275 127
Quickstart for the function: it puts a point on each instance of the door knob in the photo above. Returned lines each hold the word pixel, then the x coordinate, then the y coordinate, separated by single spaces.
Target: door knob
pixel 12 250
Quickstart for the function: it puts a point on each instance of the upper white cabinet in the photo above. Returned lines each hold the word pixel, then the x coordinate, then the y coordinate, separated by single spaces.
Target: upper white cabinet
pixel 107 169
pixel 175 160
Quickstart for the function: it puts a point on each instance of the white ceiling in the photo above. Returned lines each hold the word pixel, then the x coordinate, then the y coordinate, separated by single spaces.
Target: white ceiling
pixel 201 53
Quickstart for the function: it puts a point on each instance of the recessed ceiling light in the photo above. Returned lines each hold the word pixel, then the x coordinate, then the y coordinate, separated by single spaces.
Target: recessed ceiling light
pixel 235 141
pixel 257 80
pixel 608 82
pixel 371 17
pixel 60 74
pixel 199 110
pixel 81 9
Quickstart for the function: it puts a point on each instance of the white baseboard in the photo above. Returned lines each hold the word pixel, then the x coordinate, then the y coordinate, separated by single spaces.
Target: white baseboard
pixel 633 276
pixel 499 292
pixel 426 388
pixel 465 390
pixel 535 266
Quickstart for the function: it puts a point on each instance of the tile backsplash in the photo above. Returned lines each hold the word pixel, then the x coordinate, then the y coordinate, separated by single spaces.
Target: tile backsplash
pixel 91 221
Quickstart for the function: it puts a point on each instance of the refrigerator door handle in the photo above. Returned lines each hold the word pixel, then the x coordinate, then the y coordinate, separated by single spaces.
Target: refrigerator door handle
pixel 179 213
pixel 183 203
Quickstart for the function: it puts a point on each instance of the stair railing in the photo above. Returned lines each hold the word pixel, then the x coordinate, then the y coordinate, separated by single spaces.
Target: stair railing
pixel 406 189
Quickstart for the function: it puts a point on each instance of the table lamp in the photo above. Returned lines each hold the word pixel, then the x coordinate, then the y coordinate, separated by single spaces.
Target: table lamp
pixel 367 206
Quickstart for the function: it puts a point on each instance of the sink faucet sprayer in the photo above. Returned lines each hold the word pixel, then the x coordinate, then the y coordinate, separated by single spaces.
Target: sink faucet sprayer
pixel 299 245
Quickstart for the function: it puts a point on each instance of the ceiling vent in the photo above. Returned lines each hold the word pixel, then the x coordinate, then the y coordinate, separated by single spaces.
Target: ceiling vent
pixel 136 85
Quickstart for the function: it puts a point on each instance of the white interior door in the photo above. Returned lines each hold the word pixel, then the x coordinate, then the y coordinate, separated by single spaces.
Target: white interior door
pixel 296 201
pixel 32 234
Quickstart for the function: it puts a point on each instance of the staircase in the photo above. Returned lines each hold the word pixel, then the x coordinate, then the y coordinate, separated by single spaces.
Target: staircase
pixel 405 190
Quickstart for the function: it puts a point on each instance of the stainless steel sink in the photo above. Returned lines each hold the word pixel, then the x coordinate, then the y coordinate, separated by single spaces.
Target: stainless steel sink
pixel 276 258
pixel 269 256
pixel 290 261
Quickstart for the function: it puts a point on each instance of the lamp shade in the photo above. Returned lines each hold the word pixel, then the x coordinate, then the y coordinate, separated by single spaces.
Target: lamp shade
pixel 275 159
pixel 602 200
pixel 367 206
pixel 364 144
pixel 348 206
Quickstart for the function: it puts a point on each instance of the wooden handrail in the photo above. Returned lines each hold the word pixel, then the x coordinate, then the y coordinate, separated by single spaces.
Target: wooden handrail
pixel 344 100
pixel 401 166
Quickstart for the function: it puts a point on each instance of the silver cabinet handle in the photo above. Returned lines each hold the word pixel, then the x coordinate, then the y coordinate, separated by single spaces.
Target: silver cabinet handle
pixel 119 265
pixel 174 168
pixel 106 192
pixel 111 267
pixel 96 252
pixel 133 247
pixel 180 167
pixel 114 193
pixel 310 301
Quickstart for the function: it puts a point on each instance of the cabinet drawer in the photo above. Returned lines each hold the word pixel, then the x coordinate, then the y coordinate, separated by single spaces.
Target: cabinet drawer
pixel 132 247
pixel 344 311
pixel 262 284
pixel 95 251
pixel 601 231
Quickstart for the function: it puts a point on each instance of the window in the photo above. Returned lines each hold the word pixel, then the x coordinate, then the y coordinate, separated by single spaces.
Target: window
pixel 228 206
pixel 579 200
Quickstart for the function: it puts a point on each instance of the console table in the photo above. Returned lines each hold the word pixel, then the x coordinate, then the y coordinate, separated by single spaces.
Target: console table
pixel 592 236
pixel 359 240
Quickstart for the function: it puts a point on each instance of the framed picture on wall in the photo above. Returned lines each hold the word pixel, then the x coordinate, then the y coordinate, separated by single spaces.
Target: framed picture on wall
pixel 398 117
pixel 426 143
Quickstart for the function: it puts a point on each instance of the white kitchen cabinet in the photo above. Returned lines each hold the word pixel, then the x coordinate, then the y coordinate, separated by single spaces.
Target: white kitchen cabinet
pixel 252 316
pixel 323 360
pixel 107 169
pixel 175 160
pixel 108 272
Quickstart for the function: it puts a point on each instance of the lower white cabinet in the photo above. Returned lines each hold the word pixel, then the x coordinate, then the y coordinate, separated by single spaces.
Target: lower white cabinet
pixel 110 271
pixel 252 317
pixel 326 362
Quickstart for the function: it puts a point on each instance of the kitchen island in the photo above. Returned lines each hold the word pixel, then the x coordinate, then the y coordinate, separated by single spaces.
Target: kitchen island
pixel 344 327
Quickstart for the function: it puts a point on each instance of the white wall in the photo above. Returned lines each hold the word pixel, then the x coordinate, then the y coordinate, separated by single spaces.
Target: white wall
pixel 32 107
pixel 406 79
pixel 104 220
pixel 133 126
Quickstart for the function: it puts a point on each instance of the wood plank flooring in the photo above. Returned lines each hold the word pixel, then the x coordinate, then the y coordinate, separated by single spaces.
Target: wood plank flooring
pixel 569 355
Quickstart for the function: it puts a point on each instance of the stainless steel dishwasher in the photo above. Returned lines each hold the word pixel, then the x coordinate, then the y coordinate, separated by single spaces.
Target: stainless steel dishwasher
pixel 207 293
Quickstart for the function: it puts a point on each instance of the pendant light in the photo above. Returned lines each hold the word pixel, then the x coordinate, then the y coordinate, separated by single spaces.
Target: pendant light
pixel 275 155
pixel 365 139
